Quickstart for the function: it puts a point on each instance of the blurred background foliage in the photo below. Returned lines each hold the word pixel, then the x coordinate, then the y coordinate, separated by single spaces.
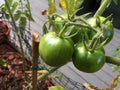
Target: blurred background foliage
pixel 93 5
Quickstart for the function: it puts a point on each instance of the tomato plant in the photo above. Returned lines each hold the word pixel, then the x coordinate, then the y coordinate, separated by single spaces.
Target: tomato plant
pixel 105 26
pixel 88 61
pixel 78 36
pixel 59 22
pixel 54 50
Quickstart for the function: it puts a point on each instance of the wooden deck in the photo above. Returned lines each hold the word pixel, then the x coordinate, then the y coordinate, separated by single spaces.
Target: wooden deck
pixel 101 78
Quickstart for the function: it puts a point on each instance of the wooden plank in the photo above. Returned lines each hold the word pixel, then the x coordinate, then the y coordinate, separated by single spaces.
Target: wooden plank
pixel 111 47
pixel 108 70
pixel 72 74
pixel 91 78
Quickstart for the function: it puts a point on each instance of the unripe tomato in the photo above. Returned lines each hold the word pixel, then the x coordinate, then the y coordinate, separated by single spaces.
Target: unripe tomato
pixel 108 29
pixel 55 51
pixel 87 61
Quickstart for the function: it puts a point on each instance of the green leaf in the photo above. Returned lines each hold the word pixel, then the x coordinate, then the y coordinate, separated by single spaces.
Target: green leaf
pixel 115 1
pixel 17 15
pixel 22 22
pixel 28 12
pixel 1 7
pixel 102 1
pixel 115 68
pixel 3 63
pixel 4 9
pixel 14 6
pixel 51 8
pixel 115 53
pixel 10 2
pixel 78 3
pixel 70 6
pixel 63 5
pixel 44 28
pixel 56 88
pixel 29 16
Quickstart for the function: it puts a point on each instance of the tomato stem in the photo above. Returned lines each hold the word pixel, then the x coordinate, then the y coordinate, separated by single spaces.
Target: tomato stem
pixel 113 60
pixel 51 70
pixel 72 23
pixel 88 25
pixel 44 28
pixel 57 15
pixel 61 33
pixel 95 43
pixel 72 35
pixel 102 7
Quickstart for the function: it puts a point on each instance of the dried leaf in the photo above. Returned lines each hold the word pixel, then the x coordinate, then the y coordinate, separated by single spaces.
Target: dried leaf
pixel 51 8
pixel 56 88
pixel 44 12
pixel 114 82
pixel 88 86
pixel 63 5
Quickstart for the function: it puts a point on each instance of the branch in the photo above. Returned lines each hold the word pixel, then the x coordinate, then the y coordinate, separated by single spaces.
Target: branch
pixel 113 60
pixel 102 7
pixel 43 76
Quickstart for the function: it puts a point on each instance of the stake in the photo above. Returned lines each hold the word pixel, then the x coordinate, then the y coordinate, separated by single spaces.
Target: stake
pixel 35 55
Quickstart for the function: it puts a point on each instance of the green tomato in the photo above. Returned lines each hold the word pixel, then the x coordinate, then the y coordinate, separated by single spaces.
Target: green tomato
pixel 87 61
pixel 108 29
pixel 55 51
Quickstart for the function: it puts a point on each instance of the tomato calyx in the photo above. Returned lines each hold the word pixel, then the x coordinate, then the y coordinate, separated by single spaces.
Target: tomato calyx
pixel 62 24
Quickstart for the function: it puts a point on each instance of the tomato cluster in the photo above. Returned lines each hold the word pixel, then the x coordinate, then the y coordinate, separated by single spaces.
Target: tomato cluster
pixel 82 45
